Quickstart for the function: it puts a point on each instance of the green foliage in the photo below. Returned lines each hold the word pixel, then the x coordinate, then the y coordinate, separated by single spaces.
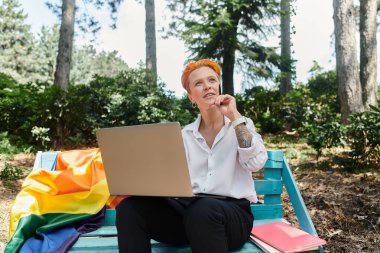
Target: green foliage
pixel 310 109
pixel 295 106
pixel 17 105
pixel 228 30
pixel 329 135
pixel 297 110
pixel 46 51
pixel 184 112
pixel 11 173
pixel 46 117
pixel 363 134
pixel 16 41
pixel 263 107
pixel 6 146
pixel 128 99
pixel 87 63
pixel 29 59
pixel 323 87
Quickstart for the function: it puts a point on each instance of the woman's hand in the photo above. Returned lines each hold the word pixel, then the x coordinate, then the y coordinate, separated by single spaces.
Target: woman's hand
pixel 227 106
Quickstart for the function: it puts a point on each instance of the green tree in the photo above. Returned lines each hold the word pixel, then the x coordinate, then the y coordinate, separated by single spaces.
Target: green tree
pixel 46 52
pixel 16 41
pixel 229 31
pixel 87 63
pixel 67 14
pixel 108 64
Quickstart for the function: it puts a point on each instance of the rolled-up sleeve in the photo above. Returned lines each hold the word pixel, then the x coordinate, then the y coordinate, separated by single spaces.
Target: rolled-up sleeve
pixel 254 157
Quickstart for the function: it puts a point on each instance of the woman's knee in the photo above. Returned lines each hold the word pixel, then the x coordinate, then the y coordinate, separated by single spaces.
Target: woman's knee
pixel 129 210
pixel 124 206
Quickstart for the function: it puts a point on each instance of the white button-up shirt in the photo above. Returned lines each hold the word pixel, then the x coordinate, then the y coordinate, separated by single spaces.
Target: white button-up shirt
pixel 225 169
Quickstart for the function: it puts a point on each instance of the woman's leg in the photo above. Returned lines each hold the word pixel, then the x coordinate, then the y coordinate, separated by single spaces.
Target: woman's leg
pixel 218 225
pixel 140 219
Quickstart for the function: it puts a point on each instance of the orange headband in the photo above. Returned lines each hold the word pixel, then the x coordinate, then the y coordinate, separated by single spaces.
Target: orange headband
pixel 197 64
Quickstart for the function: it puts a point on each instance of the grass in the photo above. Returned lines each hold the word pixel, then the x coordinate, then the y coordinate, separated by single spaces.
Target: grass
pixel 294 147
pixel 8 170
pixel 9 146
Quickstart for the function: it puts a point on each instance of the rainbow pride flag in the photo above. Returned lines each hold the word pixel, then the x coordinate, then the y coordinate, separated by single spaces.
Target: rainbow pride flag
pixel 50 200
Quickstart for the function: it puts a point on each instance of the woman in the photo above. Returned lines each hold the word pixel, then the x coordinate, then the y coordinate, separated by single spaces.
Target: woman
pixel 222 149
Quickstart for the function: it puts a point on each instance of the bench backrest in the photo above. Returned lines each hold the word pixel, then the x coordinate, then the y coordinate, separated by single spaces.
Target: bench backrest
pixel 269 189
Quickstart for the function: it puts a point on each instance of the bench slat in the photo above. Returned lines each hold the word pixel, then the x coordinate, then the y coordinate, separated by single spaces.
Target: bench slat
pixel 94 244
pixel 272 173
pixel 103 231
pixel 109 245
pixel 273 164
pixel 276 155
pixel 110 218
pixel 264 187
pixel 263 211
pixel 272 199
pixel 298 204
pixel 45 160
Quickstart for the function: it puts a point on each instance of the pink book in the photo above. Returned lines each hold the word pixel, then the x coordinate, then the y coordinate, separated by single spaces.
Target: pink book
pixel 286 238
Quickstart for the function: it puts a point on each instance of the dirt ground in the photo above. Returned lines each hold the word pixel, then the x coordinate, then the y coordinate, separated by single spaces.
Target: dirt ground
pixel 8 192
pixel 344 207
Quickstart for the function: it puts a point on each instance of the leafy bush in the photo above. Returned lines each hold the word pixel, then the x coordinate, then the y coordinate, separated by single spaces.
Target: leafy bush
pixel 6 146
pixel 323 87
pixel 184 112
pixel 10 172
pixel 303 108
pixel 295 106
pixel 363 134
pixel 128 99
pixel 44 116
pixel 329 135
pixel 263 107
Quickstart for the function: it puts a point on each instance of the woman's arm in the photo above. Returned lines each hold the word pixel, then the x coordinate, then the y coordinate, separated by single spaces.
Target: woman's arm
pixel 243 136
pixel 254 155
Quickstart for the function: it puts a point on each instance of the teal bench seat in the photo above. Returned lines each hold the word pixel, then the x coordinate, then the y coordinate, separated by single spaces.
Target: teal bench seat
pixel 276 174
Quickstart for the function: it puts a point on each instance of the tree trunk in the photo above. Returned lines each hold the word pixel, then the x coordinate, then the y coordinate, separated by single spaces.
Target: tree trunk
pixel 349 89
pixel 65 45
pixel 286 60
pixel 228 66
pixel 228 55
pixel 150 39
pixel 368 52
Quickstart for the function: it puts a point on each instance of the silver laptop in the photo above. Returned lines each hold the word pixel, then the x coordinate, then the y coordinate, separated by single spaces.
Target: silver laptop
pixel 145 160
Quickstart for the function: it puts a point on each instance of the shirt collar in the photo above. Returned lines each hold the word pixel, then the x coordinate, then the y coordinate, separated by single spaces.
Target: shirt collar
pixel 194 127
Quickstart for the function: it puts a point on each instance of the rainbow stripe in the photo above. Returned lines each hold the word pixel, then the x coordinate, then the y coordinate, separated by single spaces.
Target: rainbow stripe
pixel 75 191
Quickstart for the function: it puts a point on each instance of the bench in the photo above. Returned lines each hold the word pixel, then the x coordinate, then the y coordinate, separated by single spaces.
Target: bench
pixel 276 174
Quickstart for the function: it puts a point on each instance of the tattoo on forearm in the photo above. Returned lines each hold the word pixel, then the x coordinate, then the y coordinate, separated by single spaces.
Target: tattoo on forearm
pixel 243 135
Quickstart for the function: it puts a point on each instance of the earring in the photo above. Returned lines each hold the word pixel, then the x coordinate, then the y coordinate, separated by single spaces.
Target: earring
pixel 194 105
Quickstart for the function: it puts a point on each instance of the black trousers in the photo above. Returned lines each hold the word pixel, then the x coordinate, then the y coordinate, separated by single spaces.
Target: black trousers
pixel 209 225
